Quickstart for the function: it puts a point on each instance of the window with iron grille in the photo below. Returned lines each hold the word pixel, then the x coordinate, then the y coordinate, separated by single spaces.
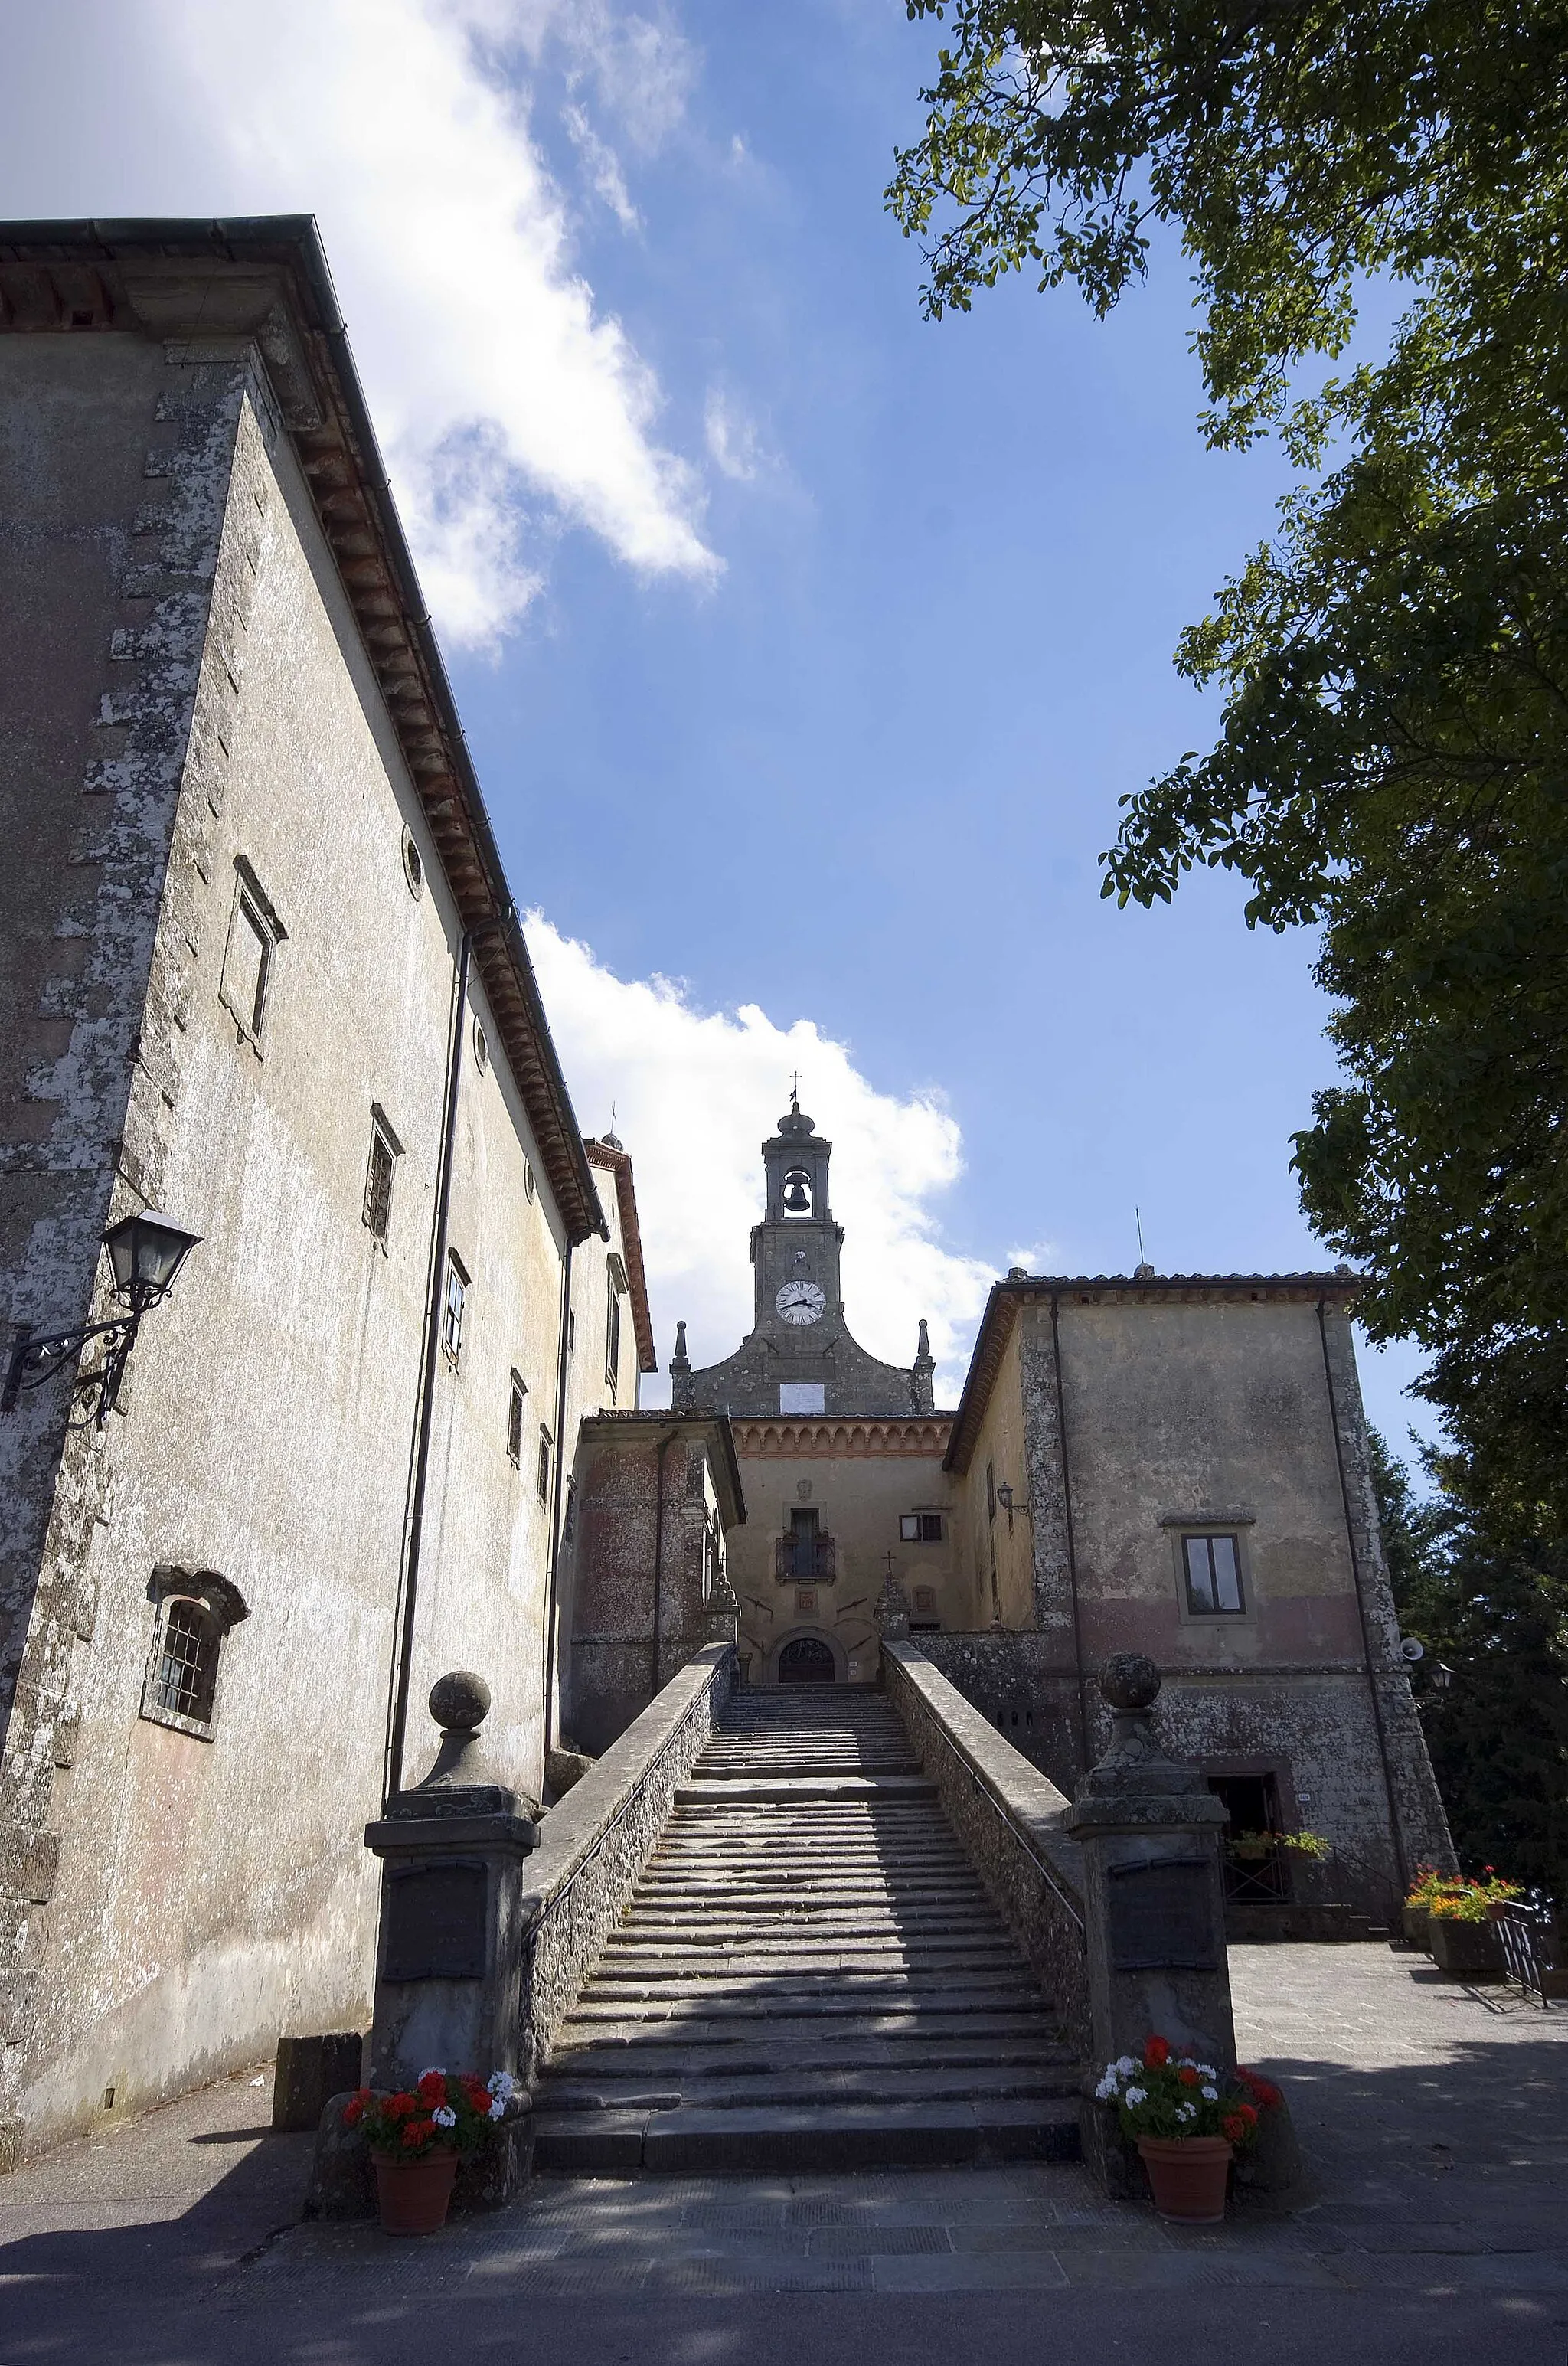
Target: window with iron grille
pixel 187 1664
pixel 378 1184
pixel 194 1614
pixel 1212 1566
pixel 543 1476
pixel 517 1394
pixel 453 1309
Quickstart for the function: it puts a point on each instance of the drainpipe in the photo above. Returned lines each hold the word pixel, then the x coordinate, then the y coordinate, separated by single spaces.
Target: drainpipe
pixel 561 1358
pixel 403 1647
pixel 1395 1835
pixel 1072 1548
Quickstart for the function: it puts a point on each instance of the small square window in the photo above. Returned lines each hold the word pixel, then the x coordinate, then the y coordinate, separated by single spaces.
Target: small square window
pixel 246 964
pixel 453 1310
pixel 254 933
pixel 1214 1576
pixel 908 1528
pixel 544 1471
pixel 519 1391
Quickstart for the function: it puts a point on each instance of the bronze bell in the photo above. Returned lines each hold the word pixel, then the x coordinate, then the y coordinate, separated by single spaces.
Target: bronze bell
pixel 796 1198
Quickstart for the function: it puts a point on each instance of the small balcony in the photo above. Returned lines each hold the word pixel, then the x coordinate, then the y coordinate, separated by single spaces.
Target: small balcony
pixel 805 1560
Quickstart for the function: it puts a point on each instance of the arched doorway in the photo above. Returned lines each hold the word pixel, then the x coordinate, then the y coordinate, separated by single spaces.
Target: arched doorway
pixel 806 1661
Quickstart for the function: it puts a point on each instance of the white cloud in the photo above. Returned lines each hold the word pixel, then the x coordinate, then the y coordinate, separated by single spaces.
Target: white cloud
pixel 604 167
pixel 694 1093
pixel 734 446
pixel 497 384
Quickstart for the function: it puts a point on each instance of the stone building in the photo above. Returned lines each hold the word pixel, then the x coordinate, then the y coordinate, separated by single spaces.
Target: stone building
pixel 261 971
pixel 1176 1465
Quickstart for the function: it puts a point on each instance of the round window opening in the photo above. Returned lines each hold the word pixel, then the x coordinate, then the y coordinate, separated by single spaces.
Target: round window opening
pixel 413 865
pixel 528 1178
pixel 481 1049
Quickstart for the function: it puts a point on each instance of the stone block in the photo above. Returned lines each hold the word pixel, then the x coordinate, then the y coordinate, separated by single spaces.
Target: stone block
pixel 342 2182
pixel 311 2071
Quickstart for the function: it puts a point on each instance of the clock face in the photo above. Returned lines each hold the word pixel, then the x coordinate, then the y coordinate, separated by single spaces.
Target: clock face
pixel 801 1301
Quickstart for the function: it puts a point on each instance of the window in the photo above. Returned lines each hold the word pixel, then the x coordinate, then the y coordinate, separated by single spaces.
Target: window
pixel 453 1310
pixel 544 1473
pixel 990 1491
pixel 519 1391
pixel 385 1152
pixel 414 864
pixel 613 1340
pixel 919 1527
pixel 254 933
pixel 803 1396
pixel 192 1616
pixel 571 1334
pixel 481 1048
pixel 569 1523
pixel 528 1178
pixel 1213 1575
pixel 925 1598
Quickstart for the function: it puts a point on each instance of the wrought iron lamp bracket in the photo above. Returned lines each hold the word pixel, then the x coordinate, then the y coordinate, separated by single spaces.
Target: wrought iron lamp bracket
pixel 38 1358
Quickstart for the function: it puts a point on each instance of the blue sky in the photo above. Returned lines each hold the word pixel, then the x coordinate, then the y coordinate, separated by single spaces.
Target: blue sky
pixel 818 665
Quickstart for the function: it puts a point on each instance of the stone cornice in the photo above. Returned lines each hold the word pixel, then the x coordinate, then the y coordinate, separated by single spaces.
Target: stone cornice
pixel 265 281
pixel 785 1437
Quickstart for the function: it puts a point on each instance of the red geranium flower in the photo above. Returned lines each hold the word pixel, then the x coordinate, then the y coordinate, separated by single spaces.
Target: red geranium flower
pixel 414 2134
pixel 353 2110
pixel 1157 2053
pixel 1245 2112
pixel 1188 2076
pixel 400 2107
pixel 1234 2126
pixel 431 2090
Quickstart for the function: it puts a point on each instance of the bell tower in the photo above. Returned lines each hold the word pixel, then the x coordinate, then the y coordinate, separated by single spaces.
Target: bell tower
pixel 797 1240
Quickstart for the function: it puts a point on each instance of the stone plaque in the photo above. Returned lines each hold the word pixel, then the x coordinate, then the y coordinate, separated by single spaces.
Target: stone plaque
pixel 806 1598
pixel 436 1920
pixel 1159 1916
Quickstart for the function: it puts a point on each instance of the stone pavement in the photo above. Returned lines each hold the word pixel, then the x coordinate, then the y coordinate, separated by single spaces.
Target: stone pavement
pixel 1435 2118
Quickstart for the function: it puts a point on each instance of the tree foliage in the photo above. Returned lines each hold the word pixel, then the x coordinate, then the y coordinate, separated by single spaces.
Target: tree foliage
pixel 1494 1616
pixel 1392 758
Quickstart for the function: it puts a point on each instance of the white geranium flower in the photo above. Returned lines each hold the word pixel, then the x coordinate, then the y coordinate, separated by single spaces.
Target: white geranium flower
pixel 1107 2087
pixel 444 2116
pixel 437 2072
pixel 1205 2069
pixel 1210 2094
pixel 1135 2095
pixel 498 2108
pixel 501 2082
pixel 1125 2064
pixel 1189 2110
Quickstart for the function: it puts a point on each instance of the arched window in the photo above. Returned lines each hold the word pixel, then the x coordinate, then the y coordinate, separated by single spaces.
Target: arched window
pixel 194 1613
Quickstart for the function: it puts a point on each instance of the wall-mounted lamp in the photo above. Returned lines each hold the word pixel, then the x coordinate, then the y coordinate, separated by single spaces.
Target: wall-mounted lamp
pixel 146 1253
pixel 1442 1678
pixel 1005 1498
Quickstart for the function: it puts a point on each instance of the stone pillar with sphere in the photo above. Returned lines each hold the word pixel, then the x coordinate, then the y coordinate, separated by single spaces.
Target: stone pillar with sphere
pixel 1154 1888
pixel 448 1953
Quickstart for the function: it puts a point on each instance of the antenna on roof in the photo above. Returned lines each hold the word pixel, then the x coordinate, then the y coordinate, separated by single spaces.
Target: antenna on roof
pixel 1137 1219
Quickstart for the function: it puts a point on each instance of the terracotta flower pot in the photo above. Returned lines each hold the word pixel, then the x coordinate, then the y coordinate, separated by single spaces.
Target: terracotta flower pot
pixel 414 2194
pixel 1188 2174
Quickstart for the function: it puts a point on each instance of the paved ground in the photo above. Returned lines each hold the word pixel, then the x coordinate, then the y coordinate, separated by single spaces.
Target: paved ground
pixel 1435 2118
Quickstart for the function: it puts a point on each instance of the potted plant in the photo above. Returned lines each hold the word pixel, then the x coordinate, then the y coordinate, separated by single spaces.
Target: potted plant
pixel 1464 1940
pixel 417 2138
pixel 1185 2123
pixel 1415 1915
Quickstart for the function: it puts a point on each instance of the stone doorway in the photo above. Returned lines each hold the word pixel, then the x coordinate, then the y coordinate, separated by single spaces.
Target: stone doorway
pixel 806 1661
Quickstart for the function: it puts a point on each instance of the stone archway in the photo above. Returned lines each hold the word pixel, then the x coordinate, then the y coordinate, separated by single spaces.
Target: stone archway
pixel 806 1656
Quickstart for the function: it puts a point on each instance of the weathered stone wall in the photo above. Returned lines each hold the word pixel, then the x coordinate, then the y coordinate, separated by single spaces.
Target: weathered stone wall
pixel 210 1893
pixel 619 1657
pixel 1010 1819
pixel 593 1846
pixel 1225 1406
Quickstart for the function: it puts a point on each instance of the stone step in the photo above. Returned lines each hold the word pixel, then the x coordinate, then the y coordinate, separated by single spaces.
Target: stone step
pixel 685 2023
pixel 820 2086
pixel 772 2142
pixel 842 1994
pixel 730 1790
pixel 650 2054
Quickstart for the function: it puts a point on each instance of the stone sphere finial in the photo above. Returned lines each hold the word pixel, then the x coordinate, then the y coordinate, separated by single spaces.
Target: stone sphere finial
pixel 1128 1682
pixel 460 1701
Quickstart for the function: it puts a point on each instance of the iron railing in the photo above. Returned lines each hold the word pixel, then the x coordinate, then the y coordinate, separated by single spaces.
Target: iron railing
pixel 806 1560
pixel 1528 1928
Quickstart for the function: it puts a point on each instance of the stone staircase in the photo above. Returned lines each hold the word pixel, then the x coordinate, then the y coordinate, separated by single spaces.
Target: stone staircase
pixel 809 1975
